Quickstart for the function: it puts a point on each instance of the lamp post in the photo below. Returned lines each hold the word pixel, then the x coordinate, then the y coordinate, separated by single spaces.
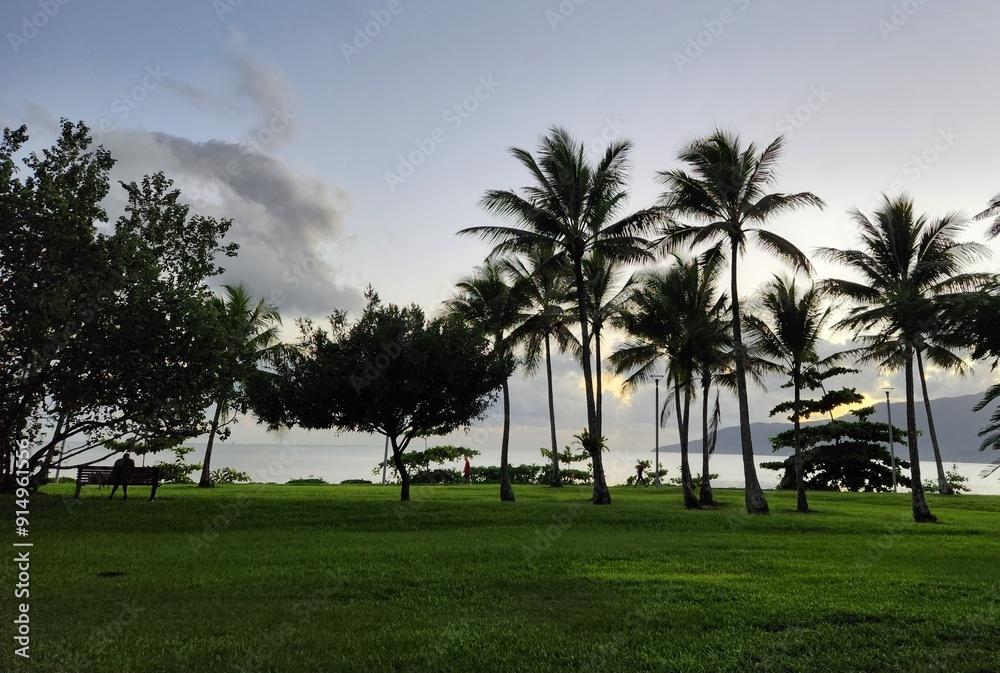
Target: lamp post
pixel 656 424
pixel 892 448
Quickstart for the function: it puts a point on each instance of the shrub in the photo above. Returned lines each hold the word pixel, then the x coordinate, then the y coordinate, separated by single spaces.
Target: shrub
pixel 228 475
pixel 307 481
pixel 956 480
pixel 178 472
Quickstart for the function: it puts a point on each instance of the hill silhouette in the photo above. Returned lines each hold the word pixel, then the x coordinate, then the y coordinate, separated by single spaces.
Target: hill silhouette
pixel 956 424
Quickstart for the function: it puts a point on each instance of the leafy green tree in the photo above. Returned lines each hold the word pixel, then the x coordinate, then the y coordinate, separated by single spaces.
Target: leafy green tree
pixel 487 299
pixel 785 324
pixel 105 335
pixel 839 454
pixel 250 328
pixel 910 267
pixel 548 318
pixel 726 194
pixel 391 372
pixel 575 208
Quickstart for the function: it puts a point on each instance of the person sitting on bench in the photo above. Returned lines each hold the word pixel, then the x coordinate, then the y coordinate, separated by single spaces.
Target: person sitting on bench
pixel 120 473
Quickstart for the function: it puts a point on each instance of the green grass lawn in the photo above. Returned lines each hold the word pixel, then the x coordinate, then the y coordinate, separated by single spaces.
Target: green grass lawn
pixel 346 578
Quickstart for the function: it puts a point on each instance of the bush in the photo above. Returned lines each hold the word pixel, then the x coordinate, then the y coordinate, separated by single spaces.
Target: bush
pixel 356 482
pixel 178 472
pixel 308 481
pixel 228 475
pixel 695 480
pixel 956 480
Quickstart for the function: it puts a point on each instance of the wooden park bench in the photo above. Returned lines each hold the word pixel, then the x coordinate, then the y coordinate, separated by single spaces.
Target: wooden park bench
pixel 101 476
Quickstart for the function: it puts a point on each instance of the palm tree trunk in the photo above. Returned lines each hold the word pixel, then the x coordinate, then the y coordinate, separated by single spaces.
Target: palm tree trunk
pixel 598 384
pixel 754 498
pixel 556 476
pixel 683 417
pixel 921 512
pixel 206 468
pixel 705 495
pixel 943 486
pixel 404 476
pixel 602 496
pixel 506 491
pixel 802 504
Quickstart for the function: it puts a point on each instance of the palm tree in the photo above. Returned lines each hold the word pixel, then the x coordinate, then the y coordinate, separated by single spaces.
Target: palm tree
pixel 671 317
pixel 251 333
pixel 714 360
pixel 606 293
pixel 909 266
pixel 785 324
pixel 726 194
pixel 486 298
pixel 573 207
pixel 890 356
pixel 548 288
pixel 992 211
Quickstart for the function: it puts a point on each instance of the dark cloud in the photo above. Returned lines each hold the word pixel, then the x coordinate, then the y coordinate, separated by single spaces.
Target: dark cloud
pixel 288 224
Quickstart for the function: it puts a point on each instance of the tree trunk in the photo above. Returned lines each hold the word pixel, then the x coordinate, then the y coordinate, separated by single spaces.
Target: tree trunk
pixel 754 498
pixel 921 512
pixel 802 504
pixel 602 496
pixel 705 495
pixel 598 383
pixel 683 417
pixel 506 491
pixel 206 468
pixel 556 476
pixel 943 487
pixel 404 477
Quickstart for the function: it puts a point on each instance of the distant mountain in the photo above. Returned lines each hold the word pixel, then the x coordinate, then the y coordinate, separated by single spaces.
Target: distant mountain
pixel 956 424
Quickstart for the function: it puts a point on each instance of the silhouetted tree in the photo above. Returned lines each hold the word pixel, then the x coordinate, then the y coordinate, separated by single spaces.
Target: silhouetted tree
pixel 726 194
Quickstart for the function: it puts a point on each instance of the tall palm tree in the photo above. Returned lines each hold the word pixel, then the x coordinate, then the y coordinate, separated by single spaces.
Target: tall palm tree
pixel 785 324
pixel 606 293
pixel 890 356
pixel 671 317
pixel 251 335
pixel 575 207
pixel 487 298
pixel 726 195
pixel 547 319
pixel 714 361
pixel 908 266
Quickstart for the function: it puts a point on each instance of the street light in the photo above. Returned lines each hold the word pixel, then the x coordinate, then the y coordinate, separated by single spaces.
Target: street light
pixel 656 424
pixel 892 448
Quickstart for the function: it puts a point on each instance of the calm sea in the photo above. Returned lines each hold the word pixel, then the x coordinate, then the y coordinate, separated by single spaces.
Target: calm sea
pixel 280 463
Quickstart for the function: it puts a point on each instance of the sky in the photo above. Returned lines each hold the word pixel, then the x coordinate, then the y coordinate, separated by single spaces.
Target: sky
pixel 349 141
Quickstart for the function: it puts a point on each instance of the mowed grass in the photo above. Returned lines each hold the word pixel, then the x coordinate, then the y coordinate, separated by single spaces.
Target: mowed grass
pixel 346 578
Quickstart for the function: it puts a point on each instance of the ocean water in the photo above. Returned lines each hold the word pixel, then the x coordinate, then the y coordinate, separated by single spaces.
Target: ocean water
pixel 280 463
